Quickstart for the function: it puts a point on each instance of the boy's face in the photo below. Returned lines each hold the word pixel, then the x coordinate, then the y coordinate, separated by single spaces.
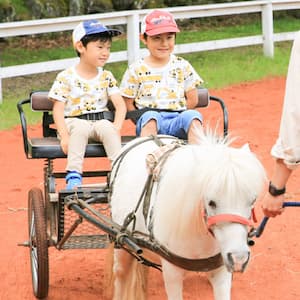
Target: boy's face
pixel 95 53
pixel 161 45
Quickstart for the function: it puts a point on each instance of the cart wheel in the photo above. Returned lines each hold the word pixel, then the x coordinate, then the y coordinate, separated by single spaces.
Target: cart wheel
pixel 38 243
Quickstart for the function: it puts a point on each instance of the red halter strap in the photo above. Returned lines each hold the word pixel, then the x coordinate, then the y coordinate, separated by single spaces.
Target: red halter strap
pixel 231 218
pixel 227 218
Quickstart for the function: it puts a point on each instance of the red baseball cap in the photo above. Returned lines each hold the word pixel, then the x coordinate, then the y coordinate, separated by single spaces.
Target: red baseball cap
pixel 157 22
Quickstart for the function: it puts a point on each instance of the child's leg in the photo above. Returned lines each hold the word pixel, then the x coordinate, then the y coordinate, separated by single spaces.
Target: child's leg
pixel 79 131
pixel 194 132
pixel 149 128
pixel 187 125
pixel 148 123
pixel 105 132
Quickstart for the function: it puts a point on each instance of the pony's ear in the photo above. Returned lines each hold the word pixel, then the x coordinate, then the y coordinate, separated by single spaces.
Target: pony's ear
pixel 246 147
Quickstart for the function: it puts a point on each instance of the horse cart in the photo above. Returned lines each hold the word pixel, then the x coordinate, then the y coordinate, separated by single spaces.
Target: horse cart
pixel 80 219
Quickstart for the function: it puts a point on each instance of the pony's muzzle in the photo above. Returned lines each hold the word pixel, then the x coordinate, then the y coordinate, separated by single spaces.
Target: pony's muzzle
pixel 237 261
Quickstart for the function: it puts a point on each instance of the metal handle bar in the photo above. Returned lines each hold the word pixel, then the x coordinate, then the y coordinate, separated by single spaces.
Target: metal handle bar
pixel 260 229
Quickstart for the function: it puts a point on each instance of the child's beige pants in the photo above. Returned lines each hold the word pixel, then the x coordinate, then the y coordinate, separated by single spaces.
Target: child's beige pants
pixel 81 132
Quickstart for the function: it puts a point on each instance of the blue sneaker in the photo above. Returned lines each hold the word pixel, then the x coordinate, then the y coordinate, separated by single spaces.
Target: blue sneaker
pixel 73 180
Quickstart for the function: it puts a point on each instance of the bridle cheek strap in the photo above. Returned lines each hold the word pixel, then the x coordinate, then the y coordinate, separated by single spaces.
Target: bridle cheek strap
pixel 228 218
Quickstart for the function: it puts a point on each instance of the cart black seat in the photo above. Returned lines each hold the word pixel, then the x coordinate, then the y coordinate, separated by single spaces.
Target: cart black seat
pixel 48 146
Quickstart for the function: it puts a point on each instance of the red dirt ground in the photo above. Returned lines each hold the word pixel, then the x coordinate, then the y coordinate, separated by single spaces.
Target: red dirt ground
pixel 273 272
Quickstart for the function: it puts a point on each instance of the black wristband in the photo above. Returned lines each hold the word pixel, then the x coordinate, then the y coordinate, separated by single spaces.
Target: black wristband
pixel 274 191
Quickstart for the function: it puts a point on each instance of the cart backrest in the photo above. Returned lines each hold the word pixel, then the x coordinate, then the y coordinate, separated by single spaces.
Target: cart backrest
pixel 203 97
pixel 40 102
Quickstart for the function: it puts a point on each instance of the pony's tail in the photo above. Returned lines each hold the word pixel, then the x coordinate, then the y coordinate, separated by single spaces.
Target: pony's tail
pixel 134 282
pixel 108 273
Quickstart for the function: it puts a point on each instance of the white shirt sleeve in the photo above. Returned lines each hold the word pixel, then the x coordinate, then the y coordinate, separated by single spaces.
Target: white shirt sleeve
pixel 287 146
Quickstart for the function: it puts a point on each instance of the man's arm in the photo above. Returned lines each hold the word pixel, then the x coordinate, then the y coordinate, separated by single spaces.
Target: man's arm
pixel 272 205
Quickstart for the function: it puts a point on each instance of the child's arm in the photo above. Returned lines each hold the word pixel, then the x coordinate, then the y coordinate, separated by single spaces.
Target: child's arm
pixel 59 120
pixel 129 103
pixel 191 98
pixel 120 112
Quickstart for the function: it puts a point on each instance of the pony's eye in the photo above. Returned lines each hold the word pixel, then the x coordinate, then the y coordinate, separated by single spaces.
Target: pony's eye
pixel 212 204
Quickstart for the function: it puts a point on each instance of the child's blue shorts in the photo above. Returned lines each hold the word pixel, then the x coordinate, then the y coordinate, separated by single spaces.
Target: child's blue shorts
pixel 170 123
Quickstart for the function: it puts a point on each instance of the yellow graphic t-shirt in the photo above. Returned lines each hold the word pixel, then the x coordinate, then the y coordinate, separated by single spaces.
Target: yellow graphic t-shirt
pixel 162 88
pixel 82 96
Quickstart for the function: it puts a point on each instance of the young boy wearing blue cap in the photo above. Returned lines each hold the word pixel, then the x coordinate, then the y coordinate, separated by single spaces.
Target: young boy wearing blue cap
pixel 80 95
pixel 163 82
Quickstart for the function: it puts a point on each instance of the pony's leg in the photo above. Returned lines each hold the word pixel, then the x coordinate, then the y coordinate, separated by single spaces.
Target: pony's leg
pixel 173 280
pixel 129 277
pixel 220 280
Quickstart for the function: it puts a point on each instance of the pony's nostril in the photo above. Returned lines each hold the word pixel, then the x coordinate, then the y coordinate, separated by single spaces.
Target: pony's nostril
pixel 238 260
pixel 230 259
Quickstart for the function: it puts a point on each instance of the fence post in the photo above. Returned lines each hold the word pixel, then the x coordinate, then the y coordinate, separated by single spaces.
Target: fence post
pixel 1 97
pixel 133 41
pixel 267 29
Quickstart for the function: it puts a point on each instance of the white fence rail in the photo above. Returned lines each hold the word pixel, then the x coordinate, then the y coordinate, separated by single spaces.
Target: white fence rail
pixel 132 19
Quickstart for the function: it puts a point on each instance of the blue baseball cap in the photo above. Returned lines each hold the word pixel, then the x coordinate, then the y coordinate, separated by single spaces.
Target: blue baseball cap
pixel 91 27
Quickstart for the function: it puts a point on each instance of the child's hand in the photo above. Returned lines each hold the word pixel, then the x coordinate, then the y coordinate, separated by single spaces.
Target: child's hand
pixel 117 127
pixel 64 142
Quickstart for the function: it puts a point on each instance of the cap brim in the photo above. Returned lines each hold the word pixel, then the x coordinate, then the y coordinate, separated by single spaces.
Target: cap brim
pixel 112 32
pixel 161 30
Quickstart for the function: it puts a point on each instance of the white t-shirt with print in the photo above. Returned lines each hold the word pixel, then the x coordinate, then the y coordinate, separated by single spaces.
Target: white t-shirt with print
pixel 82 96
pixel 162 88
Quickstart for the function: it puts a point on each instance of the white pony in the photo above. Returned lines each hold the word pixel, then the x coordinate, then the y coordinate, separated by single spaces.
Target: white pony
pixel 194 205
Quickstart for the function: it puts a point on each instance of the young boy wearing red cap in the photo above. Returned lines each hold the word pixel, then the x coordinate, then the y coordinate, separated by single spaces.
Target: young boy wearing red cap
pixel 80 95
pixel 163 82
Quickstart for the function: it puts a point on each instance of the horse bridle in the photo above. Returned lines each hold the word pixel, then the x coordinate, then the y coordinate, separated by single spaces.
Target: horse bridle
pixel 231 218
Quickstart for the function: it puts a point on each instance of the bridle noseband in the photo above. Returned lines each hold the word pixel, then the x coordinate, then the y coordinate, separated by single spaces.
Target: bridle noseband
pixel 230 218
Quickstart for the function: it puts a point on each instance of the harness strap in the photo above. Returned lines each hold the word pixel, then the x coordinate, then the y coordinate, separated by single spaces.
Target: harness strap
pixel 221 218
pixel 132 215
pixel 146 193
pixel 155 161
pixel 157 140
pixel 146 203
pixel 190 264
pixel 117 162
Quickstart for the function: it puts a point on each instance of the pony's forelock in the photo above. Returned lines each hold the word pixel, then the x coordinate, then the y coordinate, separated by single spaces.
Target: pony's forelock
pixel 210 171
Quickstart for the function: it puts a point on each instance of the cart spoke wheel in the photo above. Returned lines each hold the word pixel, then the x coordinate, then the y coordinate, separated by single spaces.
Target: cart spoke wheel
pixel 38 243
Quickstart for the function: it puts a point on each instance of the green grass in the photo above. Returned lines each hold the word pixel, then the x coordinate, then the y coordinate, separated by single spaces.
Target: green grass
pixel 218 68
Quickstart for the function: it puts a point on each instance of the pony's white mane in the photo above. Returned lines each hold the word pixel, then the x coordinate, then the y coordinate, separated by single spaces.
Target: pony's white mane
pixel 210 136
pixel 194 173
